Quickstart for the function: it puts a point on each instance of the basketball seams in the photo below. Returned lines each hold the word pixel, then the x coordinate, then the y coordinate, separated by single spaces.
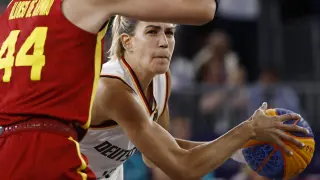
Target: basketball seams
pixel 284 162
pixel 294 149
pixel 296 153
pixel 288 170
pixel 254 144
pixel 298 137
pixel 267 159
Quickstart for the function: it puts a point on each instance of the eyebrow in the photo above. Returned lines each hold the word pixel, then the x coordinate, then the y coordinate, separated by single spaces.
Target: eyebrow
pixel 159 27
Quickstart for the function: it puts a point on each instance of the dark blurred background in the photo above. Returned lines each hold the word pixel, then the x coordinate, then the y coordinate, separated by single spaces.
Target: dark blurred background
pixel 253 51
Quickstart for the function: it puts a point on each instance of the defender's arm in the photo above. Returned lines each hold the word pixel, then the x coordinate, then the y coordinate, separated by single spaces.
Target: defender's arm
pixel 91 15
pixel 195 12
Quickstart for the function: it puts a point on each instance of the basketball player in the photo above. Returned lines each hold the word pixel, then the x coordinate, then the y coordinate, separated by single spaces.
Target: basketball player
pixel 50 59
pixel 132 96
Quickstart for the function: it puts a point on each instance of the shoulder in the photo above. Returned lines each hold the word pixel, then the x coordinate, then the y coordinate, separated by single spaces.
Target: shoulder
pixel 118 102
pixel 112 95
pixel 113 92
pixel 111 88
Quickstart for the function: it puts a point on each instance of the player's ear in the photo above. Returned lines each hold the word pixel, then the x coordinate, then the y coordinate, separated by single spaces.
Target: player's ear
pixel 126 41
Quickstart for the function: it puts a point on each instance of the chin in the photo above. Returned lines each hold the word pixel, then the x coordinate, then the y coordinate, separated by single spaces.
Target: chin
pixel 161 69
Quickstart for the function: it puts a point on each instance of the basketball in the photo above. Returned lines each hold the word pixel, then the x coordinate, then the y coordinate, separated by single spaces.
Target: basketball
pixel 270 161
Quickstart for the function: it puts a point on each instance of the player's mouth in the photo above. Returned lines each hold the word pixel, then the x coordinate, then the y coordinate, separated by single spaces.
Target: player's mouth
pixel 163 57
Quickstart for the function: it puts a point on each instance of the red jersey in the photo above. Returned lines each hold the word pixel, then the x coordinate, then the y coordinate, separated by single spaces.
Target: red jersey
pixel 48 66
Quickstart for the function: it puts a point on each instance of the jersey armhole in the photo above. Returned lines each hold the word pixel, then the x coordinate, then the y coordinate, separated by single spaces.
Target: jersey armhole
pixel 116 77
pixel 109 123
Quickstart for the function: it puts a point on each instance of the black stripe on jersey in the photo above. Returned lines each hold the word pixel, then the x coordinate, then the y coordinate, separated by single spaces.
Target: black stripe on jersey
pixel 136 81
pixel 117 77
pixel 109 123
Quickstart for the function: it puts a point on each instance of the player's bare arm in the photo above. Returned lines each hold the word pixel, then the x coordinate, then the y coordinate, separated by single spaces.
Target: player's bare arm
pixel 164 121
pixel 115 97
pixel 191 11
pixel 91 15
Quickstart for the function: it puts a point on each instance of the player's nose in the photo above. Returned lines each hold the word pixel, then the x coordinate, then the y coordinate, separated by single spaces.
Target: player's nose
pixel 163 41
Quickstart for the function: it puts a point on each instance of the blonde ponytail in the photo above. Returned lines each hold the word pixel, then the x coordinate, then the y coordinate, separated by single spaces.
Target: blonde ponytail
pixel 120 25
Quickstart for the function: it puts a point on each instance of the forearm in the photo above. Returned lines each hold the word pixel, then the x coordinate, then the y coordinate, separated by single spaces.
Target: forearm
pixel 185 144
pixel 209 156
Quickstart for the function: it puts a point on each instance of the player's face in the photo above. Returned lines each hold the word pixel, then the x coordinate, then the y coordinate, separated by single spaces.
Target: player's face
pixel 153 45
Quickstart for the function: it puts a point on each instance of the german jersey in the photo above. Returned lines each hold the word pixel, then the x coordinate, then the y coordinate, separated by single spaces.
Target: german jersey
pixel 107 148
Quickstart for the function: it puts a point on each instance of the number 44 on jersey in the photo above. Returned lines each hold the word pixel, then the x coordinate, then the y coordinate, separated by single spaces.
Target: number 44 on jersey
pixel 36 60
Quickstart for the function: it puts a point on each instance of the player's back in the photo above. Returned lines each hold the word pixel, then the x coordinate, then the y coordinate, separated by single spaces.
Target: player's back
pixel 48 66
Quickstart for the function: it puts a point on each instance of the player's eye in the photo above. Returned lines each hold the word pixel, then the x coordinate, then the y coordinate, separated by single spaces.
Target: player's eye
pixel 171 33
pixel 152 32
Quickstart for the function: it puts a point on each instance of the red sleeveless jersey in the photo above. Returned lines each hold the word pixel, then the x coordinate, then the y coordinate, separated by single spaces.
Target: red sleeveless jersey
pixel 48 66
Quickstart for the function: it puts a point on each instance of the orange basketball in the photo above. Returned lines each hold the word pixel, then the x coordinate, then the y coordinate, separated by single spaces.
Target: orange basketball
pixel 270 161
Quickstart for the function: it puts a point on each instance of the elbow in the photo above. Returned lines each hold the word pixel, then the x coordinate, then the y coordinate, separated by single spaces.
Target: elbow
pixel 191 176
pixel 186 174
pixel 184 168
pixel 206 13
pixel 209 12
pixel 192 173
pixel 188 170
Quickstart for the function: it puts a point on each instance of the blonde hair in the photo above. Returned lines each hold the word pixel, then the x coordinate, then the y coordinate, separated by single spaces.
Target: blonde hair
pixel 120 25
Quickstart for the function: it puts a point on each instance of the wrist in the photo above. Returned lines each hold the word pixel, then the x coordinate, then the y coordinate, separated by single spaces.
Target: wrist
pixel 247 130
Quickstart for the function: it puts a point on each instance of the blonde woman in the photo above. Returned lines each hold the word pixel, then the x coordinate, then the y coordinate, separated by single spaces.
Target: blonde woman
pixel 130 111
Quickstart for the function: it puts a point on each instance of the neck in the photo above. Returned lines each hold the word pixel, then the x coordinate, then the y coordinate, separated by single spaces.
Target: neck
pixel 144 77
